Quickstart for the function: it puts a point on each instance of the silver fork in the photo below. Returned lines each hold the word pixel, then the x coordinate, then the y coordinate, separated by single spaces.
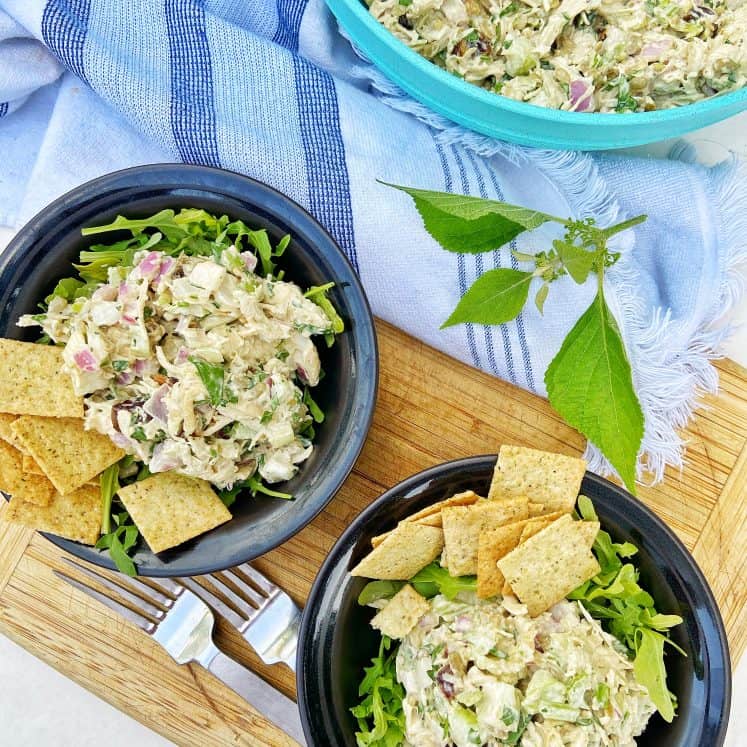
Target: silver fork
pixel 264 614
pixel 183 624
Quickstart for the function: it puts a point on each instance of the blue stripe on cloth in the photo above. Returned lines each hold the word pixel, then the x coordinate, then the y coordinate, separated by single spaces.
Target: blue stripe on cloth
pixel 3 109
pixel 324 151
pixel 486 328
pixel 462 265
pixel 528 373
pixel 64 28
pixel 290 13
pixel 192 103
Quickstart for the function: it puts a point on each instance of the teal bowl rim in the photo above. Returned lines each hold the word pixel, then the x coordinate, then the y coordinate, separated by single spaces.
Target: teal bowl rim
pixel 457 85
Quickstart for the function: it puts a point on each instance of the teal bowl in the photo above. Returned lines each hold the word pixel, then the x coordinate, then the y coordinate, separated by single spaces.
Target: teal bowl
pixel 516 121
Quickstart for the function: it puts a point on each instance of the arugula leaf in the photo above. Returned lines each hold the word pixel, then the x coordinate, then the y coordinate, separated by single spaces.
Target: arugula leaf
pixel 649 670
pixel 318 294
pixel 465 224
pixel 589 383
pixel 315 411
pixel 120 542
pixel 433 579
pixel 375 590
pixel 212 376
pixel 381 720
pixel 109 481
pixel 255 484
pixel 163 221
pixel 497 296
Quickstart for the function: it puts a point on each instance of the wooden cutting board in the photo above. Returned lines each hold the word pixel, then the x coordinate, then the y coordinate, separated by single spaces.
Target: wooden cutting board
pixel 431 408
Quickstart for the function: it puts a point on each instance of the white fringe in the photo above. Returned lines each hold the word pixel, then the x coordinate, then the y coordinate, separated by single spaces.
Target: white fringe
pixel 670 383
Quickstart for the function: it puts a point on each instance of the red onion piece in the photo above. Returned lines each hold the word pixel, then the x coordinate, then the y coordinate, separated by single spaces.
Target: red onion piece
pixel 581 95
pixel 85 360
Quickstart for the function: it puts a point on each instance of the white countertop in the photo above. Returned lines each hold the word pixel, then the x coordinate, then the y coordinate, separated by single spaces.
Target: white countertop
pixel 39 707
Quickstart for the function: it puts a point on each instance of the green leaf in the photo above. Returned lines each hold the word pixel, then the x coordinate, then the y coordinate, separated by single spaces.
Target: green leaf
pixel 375 590
pixel 314 409
pixel 109 481
pixel 433 579
pixel 255 484
pixel 461 223
pixel 650 671
pixel 541 297
pixel 497 296
pixel 589 383
pixel 163 221
pixel 212 376
pixel 318 294
pixel 575 259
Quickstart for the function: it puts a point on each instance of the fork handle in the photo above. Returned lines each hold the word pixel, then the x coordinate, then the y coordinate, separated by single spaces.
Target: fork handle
pixel 271 703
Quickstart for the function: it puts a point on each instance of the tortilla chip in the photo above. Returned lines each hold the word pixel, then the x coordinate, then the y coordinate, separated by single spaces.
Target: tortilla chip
pixel 401 613
pixel 537 524
pixel 405 551
pixel 552 480
pixel 35 489
pixel 493 544
pixel 462 527
pixel 30 466
pixel 548 566
pixel 170 509
pixel 32 381
pixel 75 516
pixel 68 454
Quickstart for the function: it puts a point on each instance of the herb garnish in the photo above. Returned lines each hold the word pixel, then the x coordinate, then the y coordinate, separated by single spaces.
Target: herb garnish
pixel 589 382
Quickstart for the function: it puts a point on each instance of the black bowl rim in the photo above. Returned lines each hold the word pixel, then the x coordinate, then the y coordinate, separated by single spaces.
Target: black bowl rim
pixel 27 236
pixel 420 480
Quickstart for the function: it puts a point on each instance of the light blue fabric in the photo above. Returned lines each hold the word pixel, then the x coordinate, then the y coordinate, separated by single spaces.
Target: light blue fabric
pixel 271 89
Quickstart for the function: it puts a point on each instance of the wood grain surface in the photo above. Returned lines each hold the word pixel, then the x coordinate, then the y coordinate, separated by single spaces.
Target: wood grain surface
pixel 430 409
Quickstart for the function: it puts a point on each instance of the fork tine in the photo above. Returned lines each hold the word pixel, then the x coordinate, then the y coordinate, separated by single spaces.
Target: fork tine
pixel 118 588
pixel 261 582
pixel 142 622
pixel 247 606
pixel 167 585
pixel 212 600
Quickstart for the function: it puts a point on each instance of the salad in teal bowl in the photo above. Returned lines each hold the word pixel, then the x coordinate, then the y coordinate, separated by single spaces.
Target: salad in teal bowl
pixel 562 74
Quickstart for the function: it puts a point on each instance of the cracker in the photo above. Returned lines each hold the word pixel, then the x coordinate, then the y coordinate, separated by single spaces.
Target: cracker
pixel 6 434
pixel 30 466
pixel 401 613
pixel 462 526
pixel 493 544
pixel 68 454
pixel 547 567
pixel 537 524
pixel 552 480
pixel 75 516
pixel 170 509
pixel 467 498
pixel 32 381
pixel 405 551
pixel 589 531
pixel 35 489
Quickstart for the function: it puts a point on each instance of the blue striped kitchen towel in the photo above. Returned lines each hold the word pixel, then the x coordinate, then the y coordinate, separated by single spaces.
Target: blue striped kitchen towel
pixel 271 89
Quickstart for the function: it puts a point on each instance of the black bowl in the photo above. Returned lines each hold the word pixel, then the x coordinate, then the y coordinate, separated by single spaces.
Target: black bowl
pixel 43 252
pixel 336 641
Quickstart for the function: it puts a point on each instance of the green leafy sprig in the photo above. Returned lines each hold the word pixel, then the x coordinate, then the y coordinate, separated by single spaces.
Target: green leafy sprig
pixel 589 381
pixel 381 720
